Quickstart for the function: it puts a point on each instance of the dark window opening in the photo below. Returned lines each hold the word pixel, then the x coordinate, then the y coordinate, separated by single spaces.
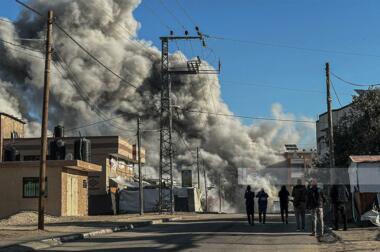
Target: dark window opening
pixel 30 187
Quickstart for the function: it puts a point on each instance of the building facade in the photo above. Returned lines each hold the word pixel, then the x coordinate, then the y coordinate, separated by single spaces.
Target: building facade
pixel 10 127
pixel 322 129
pixel 66 187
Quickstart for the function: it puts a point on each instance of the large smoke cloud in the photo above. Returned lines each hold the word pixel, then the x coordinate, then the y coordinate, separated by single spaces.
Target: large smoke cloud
pixel 225 142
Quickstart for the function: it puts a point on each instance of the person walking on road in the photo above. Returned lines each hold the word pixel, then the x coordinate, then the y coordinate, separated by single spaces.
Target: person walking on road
pixel 339 197
pixel 299 202
pixel 262 199
pixel 250 205
pixel 283 194
pixel 316 200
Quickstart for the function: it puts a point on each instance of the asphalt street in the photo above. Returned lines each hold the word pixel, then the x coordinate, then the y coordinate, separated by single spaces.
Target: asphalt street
pixel 221 233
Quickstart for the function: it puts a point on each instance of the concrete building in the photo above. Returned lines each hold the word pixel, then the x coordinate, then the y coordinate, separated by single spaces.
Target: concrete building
pixel 113 153
pixel 299 162
pixel 322 128
pixel 67 187
pixel 10 127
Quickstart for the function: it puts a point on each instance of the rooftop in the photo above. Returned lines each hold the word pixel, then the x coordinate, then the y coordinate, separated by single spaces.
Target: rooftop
pixel 71 164
pixel 365 158
pixel 13 117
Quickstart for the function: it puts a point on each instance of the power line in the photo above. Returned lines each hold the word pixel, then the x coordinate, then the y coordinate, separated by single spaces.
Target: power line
pixel 80 91
pixel 20 46
pixel 336 94
pixel 172 14
pixel 247 117
pixel 80 46
pixel 20 51
pixel 158 17
pixel 141 45
pixel 94 58
pixel 290 46
pixel 352 83
pixel 186 13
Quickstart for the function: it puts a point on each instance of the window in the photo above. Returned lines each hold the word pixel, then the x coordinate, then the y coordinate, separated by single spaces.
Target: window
pixel 30 187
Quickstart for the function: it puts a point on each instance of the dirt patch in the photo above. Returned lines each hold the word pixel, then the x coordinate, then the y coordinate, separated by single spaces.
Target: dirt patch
pixel 26 218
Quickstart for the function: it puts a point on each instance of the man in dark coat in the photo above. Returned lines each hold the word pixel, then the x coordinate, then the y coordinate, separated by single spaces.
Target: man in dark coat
pixel 262 199
pixel 339 197
pixel 283 194
pixel 316 200
pixel 299 202
pixel 250 205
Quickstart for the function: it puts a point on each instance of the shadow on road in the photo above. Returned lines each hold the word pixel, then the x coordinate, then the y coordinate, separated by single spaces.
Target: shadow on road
pixel 191 234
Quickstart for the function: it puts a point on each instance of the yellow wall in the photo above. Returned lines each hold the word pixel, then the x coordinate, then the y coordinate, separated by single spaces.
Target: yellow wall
pixel 11 188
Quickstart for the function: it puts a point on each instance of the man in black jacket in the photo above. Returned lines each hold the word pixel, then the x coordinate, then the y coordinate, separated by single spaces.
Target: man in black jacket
pixel 339 197
pixel 299 202
pixel 250 204
pixel 315 201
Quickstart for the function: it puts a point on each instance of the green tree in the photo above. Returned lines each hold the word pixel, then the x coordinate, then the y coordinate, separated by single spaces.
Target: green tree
pixel 358 133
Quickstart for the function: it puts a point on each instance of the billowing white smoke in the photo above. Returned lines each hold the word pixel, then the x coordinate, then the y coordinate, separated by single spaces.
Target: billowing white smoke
pixel 225 142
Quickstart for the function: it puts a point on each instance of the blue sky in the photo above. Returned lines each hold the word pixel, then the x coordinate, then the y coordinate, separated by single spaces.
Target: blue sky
pixel 337 25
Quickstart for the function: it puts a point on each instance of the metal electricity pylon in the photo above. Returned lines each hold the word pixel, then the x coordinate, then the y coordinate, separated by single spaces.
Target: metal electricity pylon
pixel 166 195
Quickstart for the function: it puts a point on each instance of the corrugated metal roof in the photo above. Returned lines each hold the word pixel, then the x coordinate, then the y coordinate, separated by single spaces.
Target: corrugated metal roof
pixel 365 158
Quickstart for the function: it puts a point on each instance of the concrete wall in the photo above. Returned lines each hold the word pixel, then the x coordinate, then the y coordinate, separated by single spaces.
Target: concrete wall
pixel 11 188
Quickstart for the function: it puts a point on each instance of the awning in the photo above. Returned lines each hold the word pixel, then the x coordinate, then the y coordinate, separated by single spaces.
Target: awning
pixel 130 184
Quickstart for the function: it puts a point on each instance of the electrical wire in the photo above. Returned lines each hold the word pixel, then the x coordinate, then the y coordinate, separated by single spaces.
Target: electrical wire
pixel 247 116
pixel 80 46
pixel 20 46
pixel 172 14
pixel 352 83
pixel 336 94
pixel 260 43
pixel 20 51
pixel 158 17
pixel 186 13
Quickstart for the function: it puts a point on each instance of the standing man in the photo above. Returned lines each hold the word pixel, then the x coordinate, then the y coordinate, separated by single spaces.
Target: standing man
pixel 250 205
pixel 316 200
pixel 299 202
pixel 263 203
pixel 339 197
pixel 283 194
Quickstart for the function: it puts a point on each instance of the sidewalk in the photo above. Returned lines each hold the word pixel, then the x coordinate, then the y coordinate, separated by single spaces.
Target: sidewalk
pixel 15 231
pixel 359 238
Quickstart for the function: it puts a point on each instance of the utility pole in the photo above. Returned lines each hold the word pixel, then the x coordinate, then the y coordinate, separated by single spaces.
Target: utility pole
pixel 330 125
pixel 45 112
pixel 166 195
pixel 141 189
pixel 206 189
pixel 199 177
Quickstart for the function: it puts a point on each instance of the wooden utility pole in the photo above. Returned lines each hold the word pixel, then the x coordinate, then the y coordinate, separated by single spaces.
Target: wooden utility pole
pixel 199 176
pixel 141 189
pixel 330 124
pixel 206 189
pixel 44 126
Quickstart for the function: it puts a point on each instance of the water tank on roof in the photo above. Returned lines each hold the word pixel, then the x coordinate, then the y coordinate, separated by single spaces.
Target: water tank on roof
pixel 11 153
pixel 59 131
pixel 57 150
pixel 82 149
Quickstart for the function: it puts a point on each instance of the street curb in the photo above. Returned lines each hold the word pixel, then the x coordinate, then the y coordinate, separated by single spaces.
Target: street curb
pixel 59 240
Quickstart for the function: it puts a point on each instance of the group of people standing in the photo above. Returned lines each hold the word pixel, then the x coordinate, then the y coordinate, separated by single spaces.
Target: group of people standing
pixel 262 200
pixel 310 198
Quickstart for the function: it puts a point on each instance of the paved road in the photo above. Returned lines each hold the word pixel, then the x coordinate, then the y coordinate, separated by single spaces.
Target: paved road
pixel 221 233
